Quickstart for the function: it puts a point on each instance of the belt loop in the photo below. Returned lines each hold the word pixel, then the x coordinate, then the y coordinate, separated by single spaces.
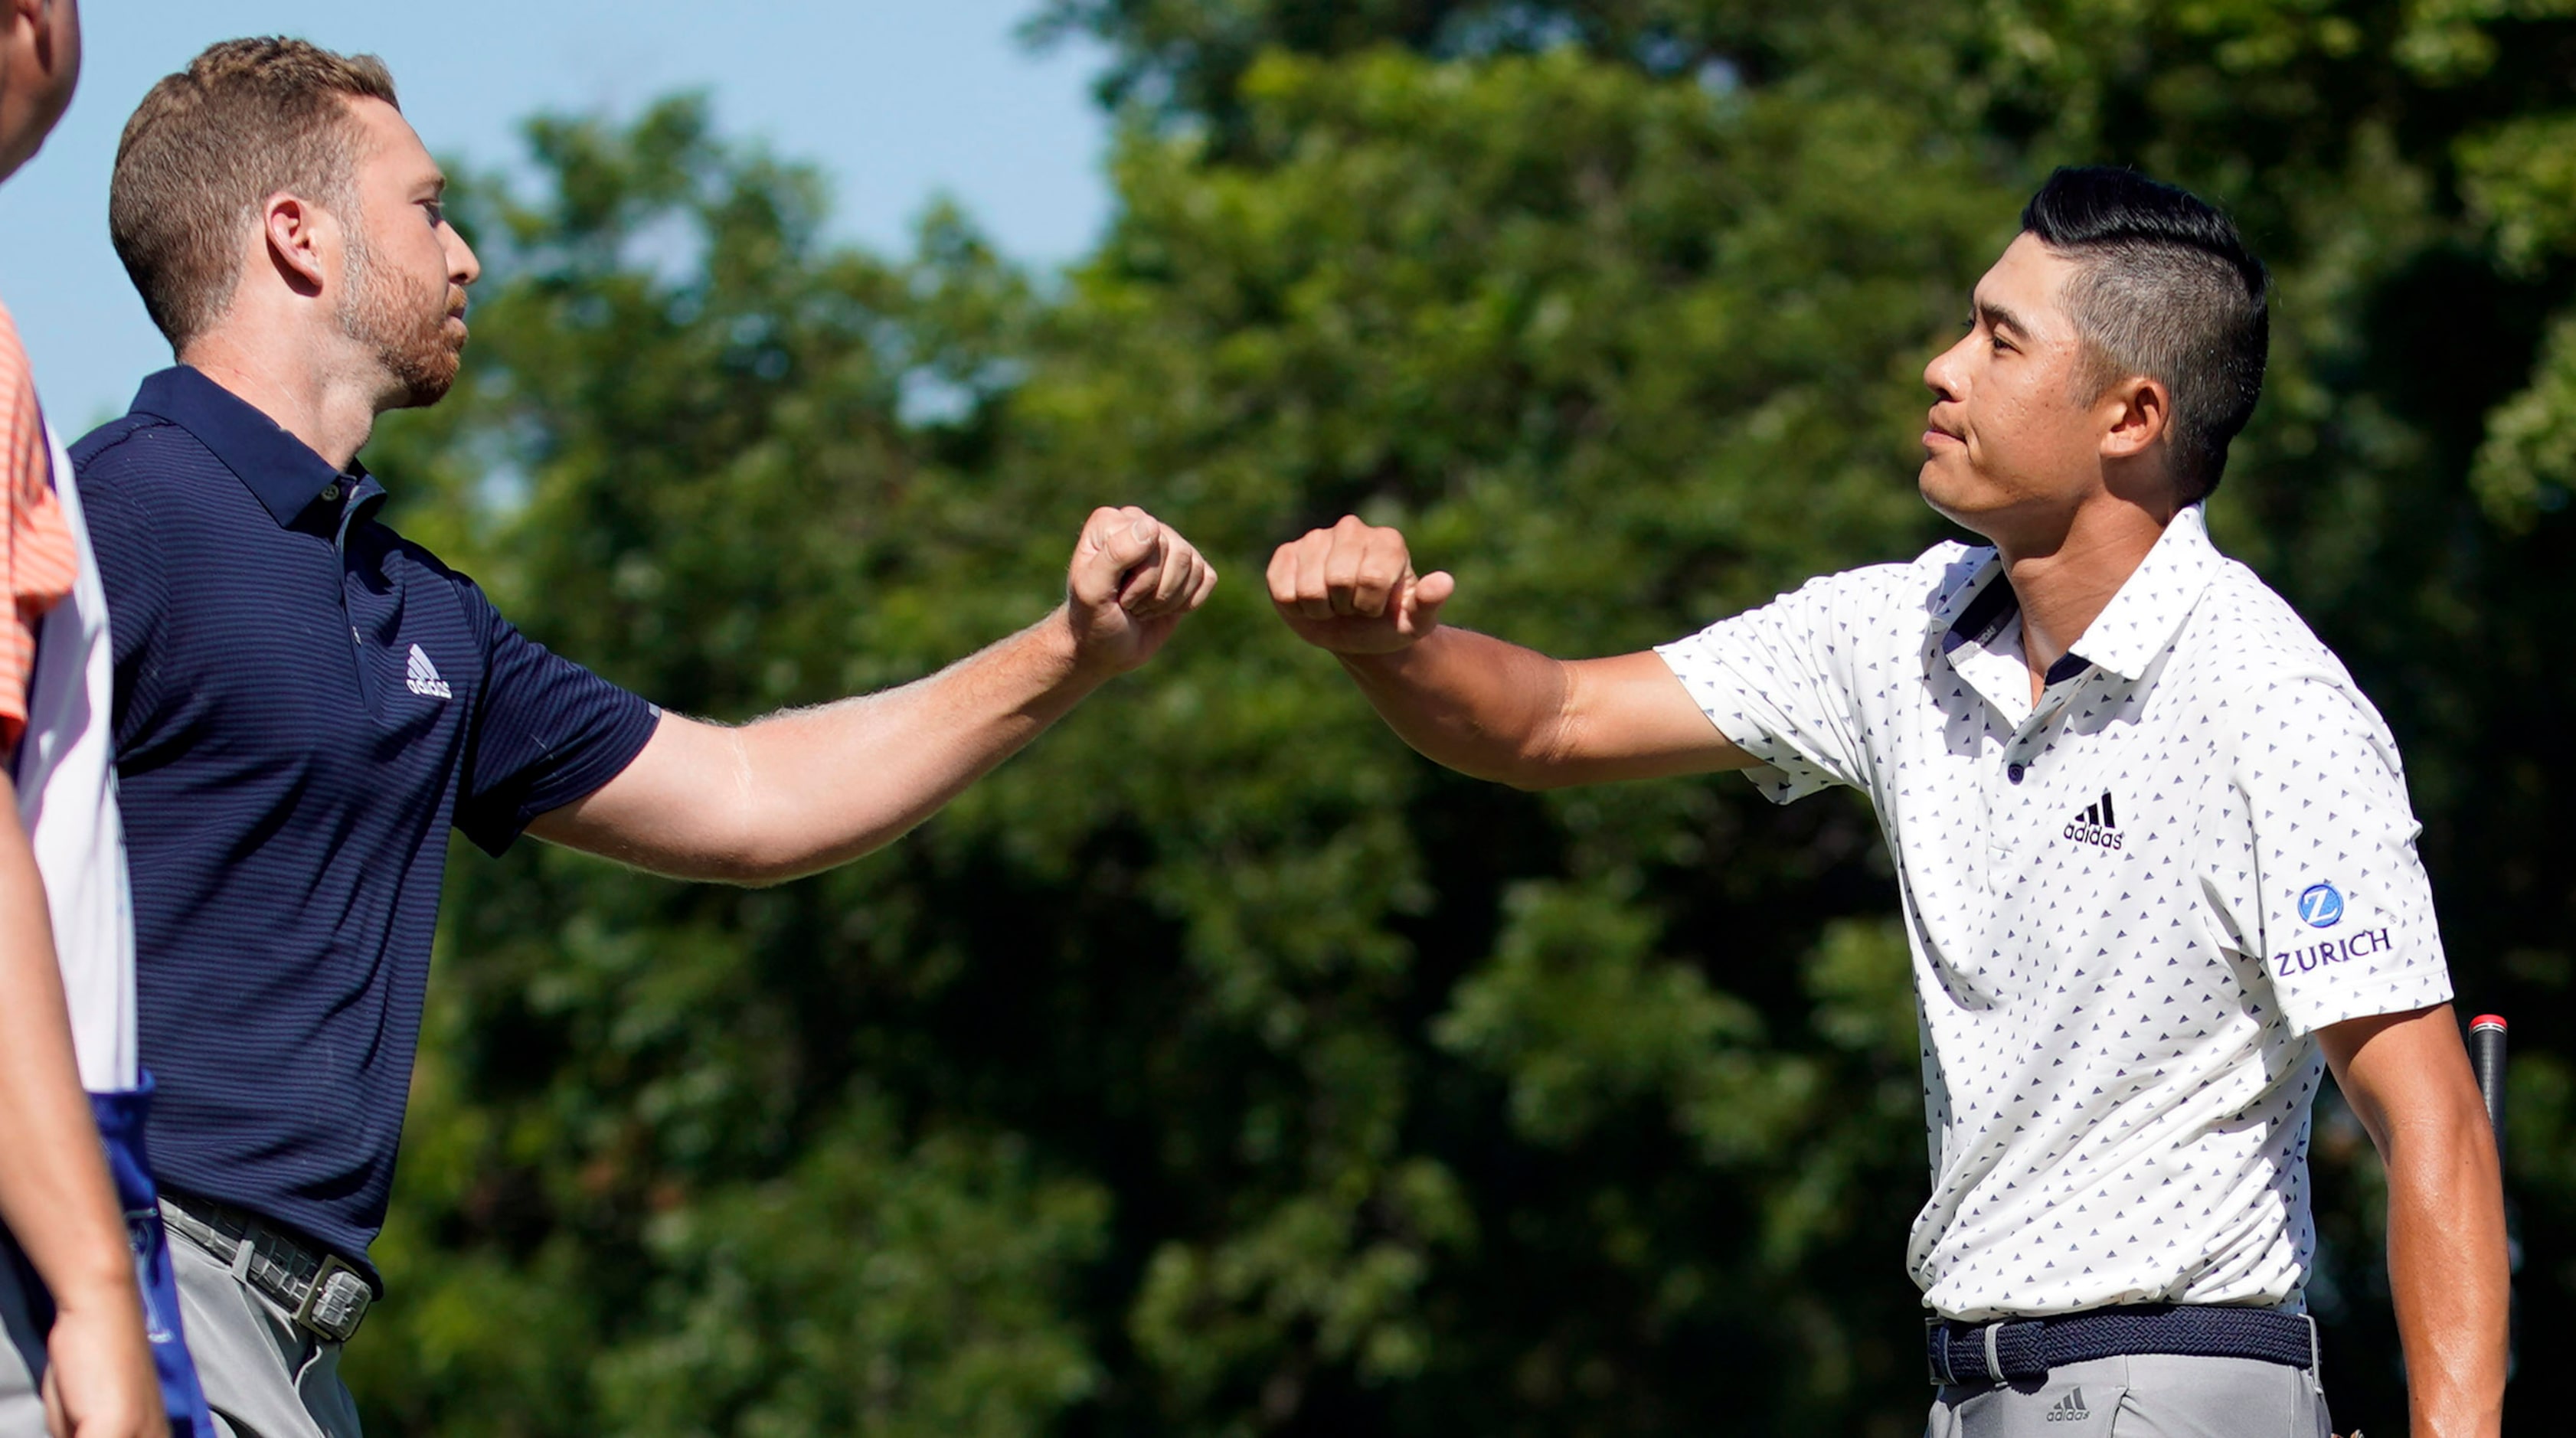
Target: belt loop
pixel 245 1249
pixel 1994 1365
pixel 2316 1351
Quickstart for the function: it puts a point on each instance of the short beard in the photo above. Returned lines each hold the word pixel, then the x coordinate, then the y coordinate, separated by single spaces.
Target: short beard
pixel 405 329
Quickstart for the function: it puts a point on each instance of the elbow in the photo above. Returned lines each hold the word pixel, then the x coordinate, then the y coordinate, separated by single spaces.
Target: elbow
pixel 2447 1152
pixel 736 867
pixel 769 867
pixel 1527 772
pixel 1535 778
pixel 763 860
pixel 1539 761
pixel 742 852
pixel 755 874
pixel 748 872
pixel 1491 758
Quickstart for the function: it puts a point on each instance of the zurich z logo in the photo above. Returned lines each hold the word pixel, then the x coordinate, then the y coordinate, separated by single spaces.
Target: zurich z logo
pixel 2321 906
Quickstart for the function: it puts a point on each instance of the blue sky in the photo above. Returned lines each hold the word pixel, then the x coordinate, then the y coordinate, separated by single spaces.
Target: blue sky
pixel 897 100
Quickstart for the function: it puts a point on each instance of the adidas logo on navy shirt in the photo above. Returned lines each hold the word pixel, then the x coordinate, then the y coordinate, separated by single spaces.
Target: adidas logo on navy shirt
pixel 423 677
pixel 2096 825
pixel 2070 1409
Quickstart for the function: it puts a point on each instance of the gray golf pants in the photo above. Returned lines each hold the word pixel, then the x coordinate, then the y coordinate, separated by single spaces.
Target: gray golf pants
pixel 2147 1396
pixel 265 1377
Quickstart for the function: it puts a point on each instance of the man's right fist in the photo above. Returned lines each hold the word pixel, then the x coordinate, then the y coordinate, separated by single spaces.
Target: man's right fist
pixel 1351 589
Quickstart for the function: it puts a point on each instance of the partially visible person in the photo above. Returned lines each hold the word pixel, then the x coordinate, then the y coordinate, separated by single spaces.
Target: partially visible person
pixel 307 703
pixel 2152 842
pixel 84 1358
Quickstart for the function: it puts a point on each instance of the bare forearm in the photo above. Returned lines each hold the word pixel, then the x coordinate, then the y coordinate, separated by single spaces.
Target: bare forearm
pixel 2447 1268
pixel 826 785
pixel 1470 702
pixel 2407 1078
pixel 809 788
pixel 54 1193
pixel 1476 704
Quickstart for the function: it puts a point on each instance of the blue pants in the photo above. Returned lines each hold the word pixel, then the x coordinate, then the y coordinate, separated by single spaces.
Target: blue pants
pixel 27 1311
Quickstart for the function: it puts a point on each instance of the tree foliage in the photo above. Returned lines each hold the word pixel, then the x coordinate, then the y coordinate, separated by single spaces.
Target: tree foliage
pixel 1218 1067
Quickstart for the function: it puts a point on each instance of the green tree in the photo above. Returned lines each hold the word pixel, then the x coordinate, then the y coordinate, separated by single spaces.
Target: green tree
pixel 654 1181
pixel 2404 167
pixel 1359 1094
pixel 1218 1067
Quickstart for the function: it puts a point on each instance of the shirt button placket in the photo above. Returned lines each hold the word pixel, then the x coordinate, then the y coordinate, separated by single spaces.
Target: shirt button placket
pixel 2003 817
pixel 2000 808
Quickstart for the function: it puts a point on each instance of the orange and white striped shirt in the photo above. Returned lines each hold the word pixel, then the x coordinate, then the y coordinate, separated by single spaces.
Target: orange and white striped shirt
pixel 37 559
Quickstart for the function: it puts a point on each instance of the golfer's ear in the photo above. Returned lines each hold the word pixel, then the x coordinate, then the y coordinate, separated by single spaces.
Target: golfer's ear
pixel 2137 412
pixel 291 231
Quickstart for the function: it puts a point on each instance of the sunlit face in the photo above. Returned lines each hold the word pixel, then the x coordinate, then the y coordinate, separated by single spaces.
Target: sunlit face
pixel 40 55
pixel 2010 440
pixel 406 268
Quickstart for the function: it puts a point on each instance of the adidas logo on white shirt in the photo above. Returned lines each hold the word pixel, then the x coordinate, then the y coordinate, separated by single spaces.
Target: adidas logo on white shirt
pixel 423 678
pixel 2070 1409
pixel 2096 825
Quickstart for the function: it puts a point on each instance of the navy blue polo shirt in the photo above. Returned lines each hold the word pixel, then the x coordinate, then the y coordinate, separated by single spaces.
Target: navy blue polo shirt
pixel 305 703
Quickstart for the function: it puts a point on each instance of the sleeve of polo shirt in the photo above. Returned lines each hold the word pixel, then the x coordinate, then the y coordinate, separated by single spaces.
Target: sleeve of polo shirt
pixel 547 732
pixel 2342 912
pixel 37 558
pixel 1775 681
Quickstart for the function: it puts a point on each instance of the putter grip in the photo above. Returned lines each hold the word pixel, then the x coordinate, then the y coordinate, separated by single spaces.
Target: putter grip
pixel 2486 1056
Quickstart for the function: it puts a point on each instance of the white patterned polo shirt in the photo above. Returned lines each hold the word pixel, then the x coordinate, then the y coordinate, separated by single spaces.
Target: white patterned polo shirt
pixel 2131 905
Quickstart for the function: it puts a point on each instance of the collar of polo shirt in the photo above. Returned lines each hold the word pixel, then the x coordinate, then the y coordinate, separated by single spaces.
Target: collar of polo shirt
pixel 2130 631
pixel 283 472
pixel 322 702
pixel 2117 963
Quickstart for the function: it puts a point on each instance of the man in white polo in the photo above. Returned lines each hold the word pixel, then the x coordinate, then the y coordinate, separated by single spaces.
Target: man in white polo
pixel 2154 849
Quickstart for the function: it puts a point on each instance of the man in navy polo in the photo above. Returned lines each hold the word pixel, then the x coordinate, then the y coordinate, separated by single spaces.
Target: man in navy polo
pixel 306 702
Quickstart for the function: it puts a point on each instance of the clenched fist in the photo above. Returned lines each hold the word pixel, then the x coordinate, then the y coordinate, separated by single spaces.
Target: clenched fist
pixel 1131 580
pixel 1351 589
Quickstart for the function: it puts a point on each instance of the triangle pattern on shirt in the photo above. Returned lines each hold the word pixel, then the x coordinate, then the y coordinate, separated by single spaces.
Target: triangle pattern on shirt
pixel 2117 986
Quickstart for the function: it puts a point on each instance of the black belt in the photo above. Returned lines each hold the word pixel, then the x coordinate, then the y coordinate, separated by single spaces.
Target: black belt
pixel 2017 1348
pixel 320 1290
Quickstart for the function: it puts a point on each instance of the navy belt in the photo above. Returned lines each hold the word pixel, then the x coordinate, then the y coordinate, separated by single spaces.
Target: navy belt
pixel 2016 1348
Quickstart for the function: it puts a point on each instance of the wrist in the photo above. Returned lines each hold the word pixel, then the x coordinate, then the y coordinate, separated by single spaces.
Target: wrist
pixel 1366 664
pixel 103 1287
pixel 1073 663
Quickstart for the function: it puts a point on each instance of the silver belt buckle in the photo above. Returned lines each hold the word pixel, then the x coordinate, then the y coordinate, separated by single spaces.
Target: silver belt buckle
pixel 337 1301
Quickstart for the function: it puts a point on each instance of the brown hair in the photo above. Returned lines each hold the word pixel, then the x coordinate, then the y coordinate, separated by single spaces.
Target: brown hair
pixel 246 120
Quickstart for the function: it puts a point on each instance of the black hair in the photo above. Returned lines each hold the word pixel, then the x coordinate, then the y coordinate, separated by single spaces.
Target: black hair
pixel 2165 289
